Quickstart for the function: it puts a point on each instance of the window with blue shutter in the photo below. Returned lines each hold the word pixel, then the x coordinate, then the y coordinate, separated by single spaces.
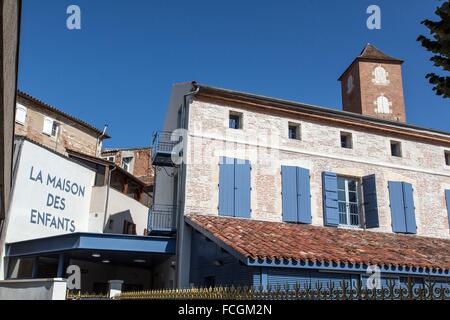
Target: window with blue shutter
pixel 296 194
pixel 410 210
pixel 402 207
pixel 234 188
pixel 370 202
pixel 330 199
pixel 447 199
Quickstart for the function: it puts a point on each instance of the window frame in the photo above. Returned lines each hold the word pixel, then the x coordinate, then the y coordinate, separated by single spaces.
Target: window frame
pixel 298 131
pixel 349 138
pixel 21 107
pixel 128 164
pixel 347 202
pixel 397 143
pixel 239 116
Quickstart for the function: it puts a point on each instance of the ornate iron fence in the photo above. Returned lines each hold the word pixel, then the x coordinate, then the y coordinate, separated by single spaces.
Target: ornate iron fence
pixel 78 295
pixel 331 291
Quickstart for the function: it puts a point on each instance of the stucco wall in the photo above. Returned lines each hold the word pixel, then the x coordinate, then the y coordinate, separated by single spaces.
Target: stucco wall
pixel 38 289
pixel 422 164
pixel 120 208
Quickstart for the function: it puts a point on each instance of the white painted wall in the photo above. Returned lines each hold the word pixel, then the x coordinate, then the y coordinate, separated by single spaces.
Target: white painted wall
pixel 37 289
pixel 30 197
pixel 120 208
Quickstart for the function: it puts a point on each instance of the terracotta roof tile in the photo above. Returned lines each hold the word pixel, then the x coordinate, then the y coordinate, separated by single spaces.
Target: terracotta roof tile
pixel 277 240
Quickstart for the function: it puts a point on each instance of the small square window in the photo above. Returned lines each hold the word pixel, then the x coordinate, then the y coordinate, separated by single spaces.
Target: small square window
pixel 447 158
pixel 396 149
pixel 346 140
pixel 294 131
pixel 235 120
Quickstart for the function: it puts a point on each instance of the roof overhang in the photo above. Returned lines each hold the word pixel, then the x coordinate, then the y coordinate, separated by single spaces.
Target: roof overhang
pixel 97 242
pixel 321 114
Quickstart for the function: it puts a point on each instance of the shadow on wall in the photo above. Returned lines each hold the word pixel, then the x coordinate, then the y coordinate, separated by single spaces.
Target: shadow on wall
pixel 121 223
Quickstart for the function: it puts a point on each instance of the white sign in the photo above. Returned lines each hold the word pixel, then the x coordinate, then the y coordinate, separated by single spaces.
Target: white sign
pixel 51 196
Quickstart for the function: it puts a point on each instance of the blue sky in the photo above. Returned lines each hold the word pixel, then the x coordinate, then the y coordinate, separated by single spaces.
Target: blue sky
pixel 120 67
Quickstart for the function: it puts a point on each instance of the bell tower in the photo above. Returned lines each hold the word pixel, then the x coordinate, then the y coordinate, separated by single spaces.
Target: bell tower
pixel 372 85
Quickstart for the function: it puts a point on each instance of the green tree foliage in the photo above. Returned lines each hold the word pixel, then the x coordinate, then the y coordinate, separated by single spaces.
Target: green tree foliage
pixel 439 45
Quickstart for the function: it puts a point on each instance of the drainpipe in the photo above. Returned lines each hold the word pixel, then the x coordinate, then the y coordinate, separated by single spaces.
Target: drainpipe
pixel 108 185
pixel 180 194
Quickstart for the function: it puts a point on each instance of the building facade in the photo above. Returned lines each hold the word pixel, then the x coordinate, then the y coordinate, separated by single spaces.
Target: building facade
pixel 70 211
pixel 243 171
pixel 136 161
pixel 54 128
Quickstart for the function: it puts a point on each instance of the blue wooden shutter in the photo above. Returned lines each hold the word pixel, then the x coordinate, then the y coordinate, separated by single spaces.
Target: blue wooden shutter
pixel 289 193
pixel 242 188
pixel 226 187
pixel 410 210
pixel 447 197
pixel 330 199
pixel 303 196
pixel 370 202
pixel 397 206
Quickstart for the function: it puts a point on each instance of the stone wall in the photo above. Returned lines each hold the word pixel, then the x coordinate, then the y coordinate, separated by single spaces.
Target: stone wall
pixel 71 135
pixel 422 164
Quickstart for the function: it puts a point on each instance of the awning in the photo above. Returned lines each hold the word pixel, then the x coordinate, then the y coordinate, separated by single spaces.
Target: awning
pixel 92 242
pixel 284 245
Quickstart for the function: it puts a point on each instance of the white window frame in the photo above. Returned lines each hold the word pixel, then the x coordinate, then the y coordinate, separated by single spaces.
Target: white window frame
pixel 128 165
pixel 48 126
pixel 348 202
pixel 21 108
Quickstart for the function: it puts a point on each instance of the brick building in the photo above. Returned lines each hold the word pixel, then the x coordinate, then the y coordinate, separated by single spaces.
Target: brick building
pixel 136 161
pixel 271 191
pixel 54 128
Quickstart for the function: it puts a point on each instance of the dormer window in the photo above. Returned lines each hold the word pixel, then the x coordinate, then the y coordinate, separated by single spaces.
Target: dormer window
pixel 380 76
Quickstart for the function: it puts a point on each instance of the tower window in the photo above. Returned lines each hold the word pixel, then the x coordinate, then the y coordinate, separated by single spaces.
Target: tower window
pixel 349 83
pixel 447 158
pixel 294 131
pixel 346 140
pixel 235 120
pixel 383 105
pixel 396 149
pixel 380 76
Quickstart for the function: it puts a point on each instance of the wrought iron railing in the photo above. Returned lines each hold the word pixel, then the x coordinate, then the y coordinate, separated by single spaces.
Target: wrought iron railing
pixel 161 218
pixel 162 142
pixel 331 291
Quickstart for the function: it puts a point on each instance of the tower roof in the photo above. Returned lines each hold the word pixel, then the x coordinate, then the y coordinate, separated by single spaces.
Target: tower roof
pixel 373 53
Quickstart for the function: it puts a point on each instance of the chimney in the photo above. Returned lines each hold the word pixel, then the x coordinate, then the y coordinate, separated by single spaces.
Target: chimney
pixel 372 85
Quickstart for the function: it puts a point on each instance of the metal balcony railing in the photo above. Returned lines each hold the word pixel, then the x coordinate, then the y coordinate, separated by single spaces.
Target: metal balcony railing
pixel 162 148
pixel 161 218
